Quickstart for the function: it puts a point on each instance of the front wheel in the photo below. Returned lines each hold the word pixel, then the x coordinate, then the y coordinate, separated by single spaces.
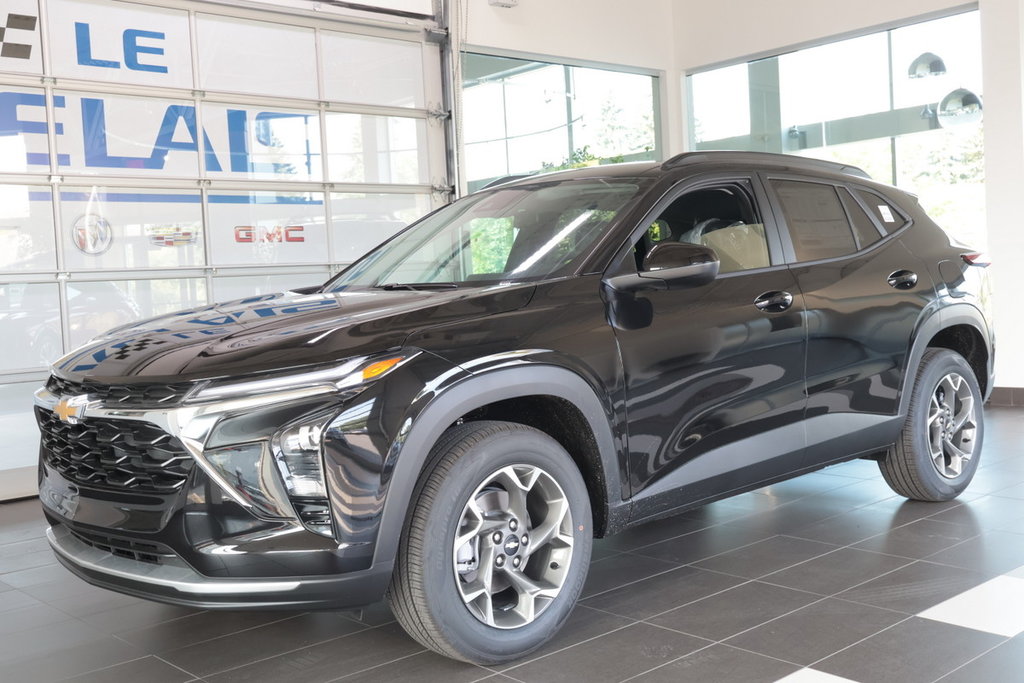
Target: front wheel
pixel 497 546
pixel 938 450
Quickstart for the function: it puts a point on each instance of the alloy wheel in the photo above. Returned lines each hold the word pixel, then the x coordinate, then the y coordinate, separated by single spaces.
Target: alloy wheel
pixel 513 546
pixel 952 422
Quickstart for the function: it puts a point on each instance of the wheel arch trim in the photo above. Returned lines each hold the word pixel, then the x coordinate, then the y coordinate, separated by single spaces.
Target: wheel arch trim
pixel 944 318
pixel 411 449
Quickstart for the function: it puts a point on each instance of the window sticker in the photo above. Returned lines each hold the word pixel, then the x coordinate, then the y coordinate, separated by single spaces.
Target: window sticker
pixel 886 213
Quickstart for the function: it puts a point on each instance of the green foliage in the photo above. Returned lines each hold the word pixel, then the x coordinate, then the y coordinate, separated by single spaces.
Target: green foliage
pixel 490 242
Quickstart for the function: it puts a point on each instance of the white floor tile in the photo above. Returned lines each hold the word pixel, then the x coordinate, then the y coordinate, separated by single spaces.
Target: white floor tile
pixel 996 606
pixel 812 676
pixel 1018 573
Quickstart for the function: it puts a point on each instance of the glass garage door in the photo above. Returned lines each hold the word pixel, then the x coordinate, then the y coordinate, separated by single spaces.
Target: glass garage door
pixel 158 157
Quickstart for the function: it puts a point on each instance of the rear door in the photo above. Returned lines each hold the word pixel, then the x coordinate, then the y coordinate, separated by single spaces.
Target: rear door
pixel 864 292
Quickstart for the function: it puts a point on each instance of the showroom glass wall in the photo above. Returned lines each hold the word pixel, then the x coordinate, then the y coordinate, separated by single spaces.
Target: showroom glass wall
pixel 904 105
pixel 522 116
pixel 159 157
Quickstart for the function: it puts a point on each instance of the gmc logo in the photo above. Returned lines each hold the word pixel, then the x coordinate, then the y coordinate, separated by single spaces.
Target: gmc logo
pixel 288 233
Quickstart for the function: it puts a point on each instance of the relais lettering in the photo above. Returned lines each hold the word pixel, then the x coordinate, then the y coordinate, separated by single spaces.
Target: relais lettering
pixel 176 132
pixel 249 233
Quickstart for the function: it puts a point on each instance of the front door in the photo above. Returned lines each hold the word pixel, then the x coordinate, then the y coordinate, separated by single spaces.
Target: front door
pixel 714 374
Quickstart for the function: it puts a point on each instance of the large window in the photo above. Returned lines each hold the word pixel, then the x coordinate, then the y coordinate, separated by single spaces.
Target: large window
pixel 904 105
pixel 154 158
pixel 523 117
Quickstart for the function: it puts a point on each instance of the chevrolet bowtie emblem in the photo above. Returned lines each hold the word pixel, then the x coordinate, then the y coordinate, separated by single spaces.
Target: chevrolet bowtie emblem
pixel 67 409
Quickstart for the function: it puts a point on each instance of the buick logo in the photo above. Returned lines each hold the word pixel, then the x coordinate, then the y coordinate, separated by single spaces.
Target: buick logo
pixel 70 409
pixel 92 234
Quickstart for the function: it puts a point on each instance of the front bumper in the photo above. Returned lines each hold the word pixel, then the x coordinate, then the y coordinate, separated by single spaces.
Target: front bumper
pixel 174 581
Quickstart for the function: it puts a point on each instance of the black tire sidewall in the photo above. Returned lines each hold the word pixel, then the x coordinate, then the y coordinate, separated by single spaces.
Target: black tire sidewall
pixel 463 631
pixel 939 364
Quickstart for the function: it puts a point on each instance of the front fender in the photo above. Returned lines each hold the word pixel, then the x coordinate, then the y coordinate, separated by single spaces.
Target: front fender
pixel 427 419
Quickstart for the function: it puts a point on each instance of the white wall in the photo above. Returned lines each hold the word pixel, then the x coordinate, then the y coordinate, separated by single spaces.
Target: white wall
pixel 726 30
pixel 637 33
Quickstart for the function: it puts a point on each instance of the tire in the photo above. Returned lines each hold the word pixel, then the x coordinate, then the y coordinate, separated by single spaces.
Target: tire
pixel 938 450
pixel 465 602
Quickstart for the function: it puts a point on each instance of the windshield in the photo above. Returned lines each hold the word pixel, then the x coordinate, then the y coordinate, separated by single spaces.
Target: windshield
pixel 505 235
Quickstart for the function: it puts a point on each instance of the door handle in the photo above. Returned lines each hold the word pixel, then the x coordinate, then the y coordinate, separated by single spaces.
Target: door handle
pixel 902 279
pixel 774 302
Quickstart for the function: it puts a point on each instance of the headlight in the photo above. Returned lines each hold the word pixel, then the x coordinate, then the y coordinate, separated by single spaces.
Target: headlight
pixel 321 379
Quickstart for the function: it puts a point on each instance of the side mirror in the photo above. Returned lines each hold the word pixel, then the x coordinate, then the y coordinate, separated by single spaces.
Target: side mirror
pixel 671 265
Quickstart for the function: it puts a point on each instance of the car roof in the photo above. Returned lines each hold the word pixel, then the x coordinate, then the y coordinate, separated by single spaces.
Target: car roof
pixel 695 162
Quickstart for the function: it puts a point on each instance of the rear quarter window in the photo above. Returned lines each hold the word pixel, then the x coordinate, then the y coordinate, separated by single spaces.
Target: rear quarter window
pixel 888 216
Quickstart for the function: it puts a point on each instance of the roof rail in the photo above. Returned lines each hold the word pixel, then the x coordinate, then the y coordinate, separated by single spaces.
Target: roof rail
pixel 738 157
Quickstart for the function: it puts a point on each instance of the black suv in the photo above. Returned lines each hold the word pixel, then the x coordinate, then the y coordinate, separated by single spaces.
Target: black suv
pixel 451 420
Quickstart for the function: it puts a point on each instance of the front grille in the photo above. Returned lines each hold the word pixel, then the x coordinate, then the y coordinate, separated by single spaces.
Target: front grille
pixel 135 395
pixel 152 553
pixel 114 454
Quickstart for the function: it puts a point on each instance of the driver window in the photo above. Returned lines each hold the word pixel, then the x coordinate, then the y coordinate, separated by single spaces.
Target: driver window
pixel 722 218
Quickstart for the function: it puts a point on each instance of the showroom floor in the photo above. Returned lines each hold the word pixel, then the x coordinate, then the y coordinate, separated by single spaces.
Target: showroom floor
pixel 823 578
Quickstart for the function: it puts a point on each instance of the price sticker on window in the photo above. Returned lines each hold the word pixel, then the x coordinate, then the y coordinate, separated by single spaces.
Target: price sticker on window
pixel 886 213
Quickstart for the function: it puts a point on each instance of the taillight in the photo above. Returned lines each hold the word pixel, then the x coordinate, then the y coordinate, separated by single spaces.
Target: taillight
pixel 979 259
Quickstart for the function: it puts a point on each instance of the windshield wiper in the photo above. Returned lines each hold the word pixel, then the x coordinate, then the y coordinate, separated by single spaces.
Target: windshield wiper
pixel 417 285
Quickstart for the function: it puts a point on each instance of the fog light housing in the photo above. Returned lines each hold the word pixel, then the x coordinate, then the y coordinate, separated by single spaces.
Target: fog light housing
pixel 298 451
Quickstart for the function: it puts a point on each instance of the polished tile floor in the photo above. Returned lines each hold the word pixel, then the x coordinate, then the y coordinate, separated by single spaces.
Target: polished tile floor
pixel 829 577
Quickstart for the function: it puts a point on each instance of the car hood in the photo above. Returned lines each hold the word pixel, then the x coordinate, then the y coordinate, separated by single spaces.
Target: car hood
pixel 277 331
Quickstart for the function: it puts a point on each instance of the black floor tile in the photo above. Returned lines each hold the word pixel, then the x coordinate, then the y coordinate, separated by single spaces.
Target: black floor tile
pixel 993 553
pixel 52 573
pixel 918 539
pixel 915 588
pixel 619 570
pixel 703 544
pixel 836 571
pixel 240 647
pixel 725 614
pixel 807 485
pixel 612 657
pixel 654 532
pixel 1004 664
pixel 720 663
pixel 816 631
pixel 137 615
pixel 914 651
pixel 583 624
pixel 985 514
pixel 847 528
pixel 30 617
pixel 425 667
pixel 330 660
pixel 197 628
pixel 149 669
pixel 663 592
pixel 57 651
pixel 765 557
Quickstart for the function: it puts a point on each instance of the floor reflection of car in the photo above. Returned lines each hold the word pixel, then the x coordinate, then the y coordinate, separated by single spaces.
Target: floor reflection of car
pixel 30 316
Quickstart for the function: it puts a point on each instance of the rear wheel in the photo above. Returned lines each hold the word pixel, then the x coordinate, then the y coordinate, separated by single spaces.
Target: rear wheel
pixel 937 453
pixel 497 546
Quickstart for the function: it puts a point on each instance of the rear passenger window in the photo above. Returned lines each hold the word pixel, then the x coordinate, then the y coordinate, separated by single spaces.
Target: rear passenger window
pixel 817 222
pixel 864 229
pixel 888 217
